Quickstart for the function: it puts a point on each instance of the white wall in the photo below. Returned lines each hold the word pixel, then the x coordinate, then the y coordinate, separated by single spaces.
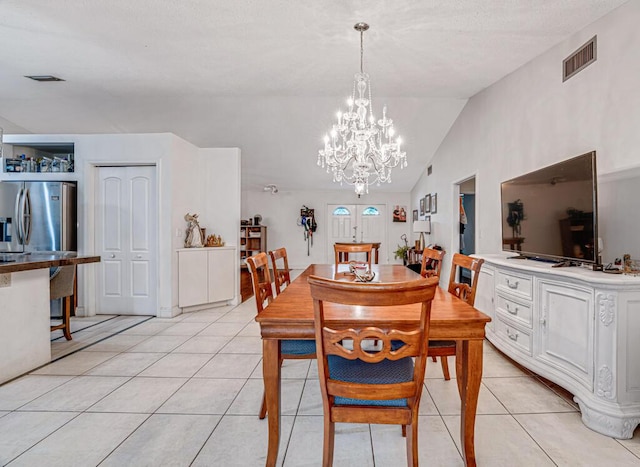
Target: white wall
pixel 221 188
pixel 532 119
pixel 280 211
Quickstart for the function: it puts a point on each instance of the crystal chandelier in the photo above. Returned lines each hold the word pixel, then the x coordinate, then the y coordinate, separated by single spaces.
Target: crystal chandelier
pixel 357 150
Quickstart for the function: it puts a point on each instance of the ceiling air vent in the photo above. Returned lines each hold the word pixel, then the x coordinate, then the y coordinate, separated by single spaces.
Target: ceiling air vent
pixel 44 78
pixel 580 59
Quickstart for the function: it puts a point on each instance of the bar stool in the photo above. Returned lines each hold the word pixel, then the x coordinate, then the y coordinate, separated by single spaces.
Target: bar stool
pixel 61 286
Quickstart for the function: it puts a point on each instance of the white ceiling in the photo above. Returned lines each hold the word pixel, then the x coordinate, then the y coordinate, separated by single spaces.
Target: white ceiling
pixel 266 75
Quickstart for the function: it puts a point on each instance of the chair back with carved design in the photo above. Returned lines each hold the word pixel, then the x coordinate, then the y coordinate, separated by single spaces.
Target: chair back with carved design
pixel 281 274
pixel 432 258
pixel 466 292
pixel 361 385
pixel 342 251
pixel 261 279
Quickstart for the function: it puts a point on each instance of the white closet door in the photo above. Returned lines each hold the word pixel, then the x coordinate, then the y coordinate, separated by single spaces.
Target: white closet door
pixel 126 236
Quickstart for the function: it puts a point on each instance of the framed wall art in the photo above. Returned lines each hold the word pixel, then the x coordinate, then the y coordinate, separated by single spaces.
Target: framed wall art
pixel 434 203
pixel 415 215
pixel 427 204
pixel 422 206
pixel 400 214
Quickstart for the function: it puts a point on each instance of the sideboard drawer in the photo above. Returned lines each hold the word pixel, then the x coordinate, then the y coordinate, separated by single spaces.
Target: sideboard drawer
pixel 514 336
pixel 517 284
pixel 517 311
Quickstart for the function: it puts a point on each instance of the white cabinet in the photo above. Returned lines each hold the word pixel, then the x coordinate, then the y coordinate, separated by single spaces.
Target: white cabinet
pixel 485 294
pixel 576 327
pixel 565 337
pixel 206 275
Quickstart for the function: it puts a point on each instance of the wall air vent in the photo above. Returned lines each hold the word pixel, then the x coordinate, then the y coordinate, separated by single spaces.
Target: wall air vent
pixel 580 59
pixel 429 170
pixel 44 78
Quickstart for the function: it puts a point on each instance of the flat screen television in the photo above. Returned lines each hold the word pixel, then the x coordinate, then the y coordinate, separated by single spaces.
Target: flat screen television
pixel 552 213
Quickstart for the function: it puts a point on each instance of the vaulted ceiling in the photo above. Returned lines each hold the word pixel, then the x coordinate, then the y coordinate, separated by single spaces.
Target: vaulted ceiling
pixel 266 75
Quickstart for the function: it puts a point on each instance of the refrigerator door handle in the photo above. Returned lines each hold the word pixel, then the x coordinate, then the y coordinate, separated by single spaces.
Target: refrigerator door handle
pixel 18 216
pixel 26 215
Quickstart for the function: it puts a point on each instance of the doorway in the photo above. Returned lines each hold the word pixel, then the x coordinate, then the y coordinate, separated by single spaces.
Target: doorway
pixel 356 223
pixel 126 226
pixel 467 221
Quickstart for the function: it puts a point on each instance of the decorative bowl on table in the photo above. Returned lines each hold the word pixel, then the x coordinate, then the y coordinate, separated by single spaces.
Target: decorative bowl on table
pixel 361 272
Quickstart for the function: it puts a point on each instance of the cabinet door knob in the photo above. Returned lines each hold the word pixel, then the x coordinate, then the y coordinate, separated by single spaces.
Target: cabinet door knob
pixel 112 255
pixel 513 311
pixel 512 285
pixel 512 336
pixel 138 256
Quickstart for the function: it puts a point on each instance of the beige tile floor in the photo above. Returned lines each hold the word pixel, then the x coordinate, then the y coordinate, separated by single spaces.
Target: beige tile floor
pixel 186 391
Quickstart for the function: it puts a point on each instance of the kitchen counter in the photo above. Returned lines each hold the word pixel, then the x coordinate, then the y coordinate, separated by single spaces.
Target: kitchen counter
pixel 16 262
pixel 25 338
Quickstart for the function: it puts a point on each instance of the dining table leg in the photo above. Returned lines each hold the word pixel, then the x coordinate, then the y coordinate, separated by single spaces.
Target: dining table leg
pixel 469 370
pixel 271 377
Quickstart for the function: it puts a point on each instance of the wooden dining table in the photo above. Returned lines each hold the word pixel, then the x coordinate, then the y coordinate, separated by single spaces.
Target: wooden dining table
pixel 290 316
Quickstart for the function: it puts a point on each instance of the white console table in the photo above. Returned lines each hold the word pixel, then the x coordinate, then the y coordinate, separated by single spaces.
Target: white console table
pixel 576 327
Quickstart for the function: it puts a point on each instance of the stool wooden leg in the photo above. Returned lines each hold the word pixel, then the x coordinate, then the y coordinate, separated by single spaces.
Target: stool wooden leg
pixel 445 367
pixel 66 317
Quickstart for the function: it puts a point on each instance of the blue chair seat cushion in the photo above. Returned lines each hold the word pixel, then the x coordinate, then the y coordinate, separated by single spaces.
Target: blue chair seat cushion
pixel 357 371
pixel 298 347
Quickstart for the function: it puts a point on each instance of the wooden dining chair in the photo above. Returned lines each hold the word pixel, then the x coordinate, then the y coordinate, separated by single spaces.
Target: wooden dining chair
pixel 361 386
pixel 281 276
pixel 342 251
pixel 431 262
pixel 263 292
pixel 431 266
pixel 466 292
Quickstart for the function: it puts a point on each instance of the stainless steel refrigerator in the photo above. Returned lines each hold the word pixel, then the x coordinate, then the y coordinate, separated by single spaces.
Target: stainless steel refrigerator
pixel 37 216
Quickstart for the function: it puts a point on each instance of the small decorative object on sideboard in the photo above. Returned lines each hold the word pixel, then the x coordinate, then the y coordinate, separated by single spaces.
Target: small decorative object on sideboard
pixel 194 237
pixel 630 266
pixel 214 240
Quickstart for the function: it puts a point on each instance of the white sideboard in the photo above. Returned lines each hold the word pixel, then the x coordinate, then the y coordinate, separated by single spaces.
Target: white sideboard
pixel 206 275
pixel 576 327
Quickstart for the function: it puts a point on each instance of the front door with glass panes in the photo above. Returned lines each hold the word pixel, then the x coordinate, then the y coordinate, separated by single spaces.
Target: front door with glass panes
pixel 357 223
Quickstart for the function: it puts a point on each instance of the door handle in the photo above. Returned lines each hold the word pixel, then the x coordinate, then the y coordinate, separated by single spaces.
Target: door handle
pixel 18 216
pixel 27 216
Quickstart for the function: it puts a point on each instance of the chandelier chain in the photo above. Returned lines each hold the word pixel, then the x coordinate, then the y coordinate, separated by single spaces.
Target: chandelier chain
pixel 361 51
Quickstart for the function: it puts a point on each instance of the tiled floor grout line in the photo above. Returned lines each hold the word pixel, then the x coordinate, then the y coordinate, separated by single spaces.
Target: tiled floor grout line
pixel 124 440
pixel 534 440
pixel 98 341
pixel 187 380
pixel 60 338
